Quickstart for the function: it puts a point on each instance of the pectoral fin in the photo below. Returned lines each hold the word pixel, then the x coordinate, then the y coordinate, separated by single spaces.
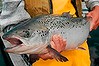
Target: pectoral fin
pixel 81 48
pixel 33 58
pixel 56 55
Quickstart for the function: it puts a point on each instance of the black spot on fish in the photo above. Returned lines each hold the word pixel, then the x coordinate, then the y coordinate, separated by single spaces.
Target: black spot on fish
pixel 51 27
pixel 79 26
pixel 28 29
pixel 42 31
pixel 63 32
pixel 23 31
pixel 63 24
pixel 39 32
pixel 43 34
pixel 67 23
pixel 73 25
pixel 51 22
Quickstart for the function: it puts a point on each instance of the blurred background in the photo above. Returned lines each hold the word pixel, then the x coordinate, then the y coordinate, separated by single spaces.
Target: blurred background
pixel 0 5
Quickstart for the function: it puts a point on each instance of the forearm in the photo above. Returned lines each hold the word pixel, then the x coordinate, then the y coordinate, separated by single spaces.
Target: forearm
pixel 91 3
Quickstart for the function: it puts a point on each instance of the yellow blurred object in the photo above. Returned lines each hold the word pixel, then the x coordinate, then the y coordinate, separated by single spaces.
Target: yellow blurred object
pixel 76 57
pixel 60 6
pixel 37 7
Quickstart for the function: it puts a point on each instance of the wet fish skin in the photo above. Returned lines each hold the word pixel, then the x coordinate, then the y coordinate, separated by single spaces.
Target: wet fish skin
pixel 49 25
pixel 36 32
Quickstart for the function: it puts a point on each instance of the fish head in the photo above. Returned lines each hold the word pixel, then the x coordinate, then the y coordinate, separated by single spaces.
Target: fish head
pixel 25 37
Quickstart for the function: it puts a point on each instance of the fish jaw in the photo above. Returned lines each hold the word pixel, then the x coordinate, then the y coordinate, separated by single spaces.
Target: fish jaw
pixel 23 46
pixel 14 41
pixel 24 49
pixel 16 44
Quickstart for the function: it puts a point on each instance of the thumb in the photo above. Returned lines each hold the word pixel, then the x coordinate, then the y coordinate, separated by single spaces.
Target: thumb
pixel 92 24
pixel 89 14
pixel 91 20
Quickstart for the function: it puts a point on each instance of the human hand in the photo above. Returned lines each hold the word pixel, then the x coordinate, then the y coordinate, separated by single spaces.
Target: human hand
pixel 58 43
pixel 94 14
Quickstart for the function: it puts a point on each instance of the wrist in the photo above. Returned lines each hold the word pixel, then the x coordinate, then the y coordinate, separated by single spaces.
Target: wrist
pixel 93 4
pixel 95 7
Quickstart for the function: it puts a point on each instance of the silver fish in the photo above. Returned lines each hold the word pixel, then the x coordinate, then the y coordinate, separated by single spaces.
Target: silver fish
pixel 33 35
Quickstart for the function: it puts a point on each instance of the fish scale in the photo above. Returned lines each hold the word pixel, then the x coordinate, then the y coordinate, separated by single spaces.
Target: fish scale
pixel 74 26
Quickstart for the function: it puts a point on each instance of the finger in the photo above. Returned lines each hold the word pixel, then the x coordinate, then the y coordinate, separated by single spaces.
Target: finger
pixel 89 14
pixel 60 44
pixel 52 44
pixel 96 25
pixel 51 38
pixel 53 41
pixel 64 42
pixel 93 21
pixel 56 41
pixel 60 40
pixel 92 24
pixel 45 56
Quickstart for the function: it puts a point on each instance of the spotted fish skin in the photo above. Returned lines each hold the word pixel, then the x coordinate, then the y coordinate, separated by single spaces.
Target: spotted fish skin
pixel 35 33
pixel 74 30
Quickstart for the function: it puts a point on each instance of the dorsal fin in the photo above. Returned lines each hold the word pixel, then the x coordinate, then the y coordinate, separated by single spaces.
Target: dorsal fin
pixel 67 14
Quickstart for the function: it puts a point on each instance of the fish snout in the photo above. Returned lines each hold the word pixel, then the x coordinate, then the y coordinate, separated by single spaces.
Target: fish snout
pixel 14 41
pixel 4 37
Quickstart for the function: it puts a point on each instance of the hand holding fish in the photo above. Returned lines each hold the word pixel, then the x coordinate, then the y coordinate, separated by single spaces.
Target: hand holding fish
pixel 94 14
pixel 58 43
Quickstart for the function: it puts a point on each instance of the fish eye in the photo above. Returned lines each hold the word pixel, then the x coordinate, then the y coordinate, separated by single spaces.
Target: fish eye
pixel 26 34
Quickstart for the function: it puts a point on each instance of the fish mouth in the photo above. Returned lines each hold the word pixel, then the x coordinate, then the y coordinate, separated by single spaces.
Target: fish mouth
pixel 14 43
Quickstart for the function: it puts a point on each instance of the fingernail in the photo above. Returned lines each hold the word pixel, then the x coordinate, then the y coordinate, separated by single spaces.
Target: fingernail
pixel 59 35
pixel 64 39
pixel 90 29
